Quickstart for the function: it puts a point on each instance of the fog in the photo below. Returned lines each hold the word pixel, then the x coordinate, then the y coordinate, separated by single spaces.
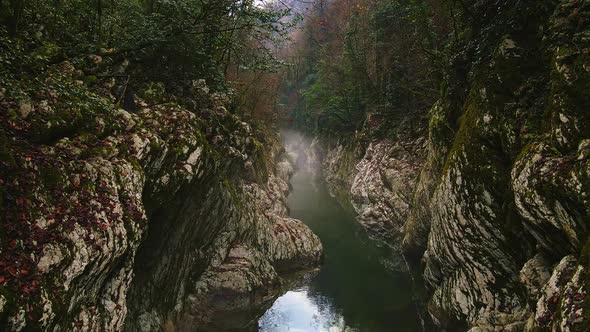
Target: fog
pixel 303 151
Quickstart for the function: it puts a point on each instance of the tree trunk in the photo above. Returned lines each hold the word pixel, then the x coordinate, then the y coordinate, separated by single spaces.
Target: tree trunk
pixel 16 7
pixel 150 6
pixel 99 20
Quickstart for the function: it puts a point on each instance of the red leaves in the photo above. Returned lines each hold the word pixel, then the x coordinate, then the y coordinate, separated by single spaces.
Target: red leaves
pixel 14 271
pixel 11 270
pixel 15 126
pixel 102 226
pixel 18 274
pixel 28 290
pixel 42 205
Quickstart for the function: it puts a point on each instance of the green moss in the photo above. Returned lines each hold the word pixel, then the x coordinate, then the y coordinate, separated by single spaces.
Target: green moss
pixel 90 79
pixel 467 132
pixel 155 93
pixel 525 151
pixel 262 162
pixel 234 193
pixel 136 164
pixel 155 145
pixel 441 132
pixel 43 54
pixel 52 176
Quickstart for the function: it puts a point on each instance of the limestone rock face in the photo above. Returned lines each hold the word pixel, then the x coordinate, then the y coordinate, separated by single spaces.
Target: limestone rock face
pixel 143 221
pixel 507 194
pixel 339 170
pixel 534 275
pixel 233 240
pixel 560 305
pixel 382 188
pixel 417 226
pixel 498 207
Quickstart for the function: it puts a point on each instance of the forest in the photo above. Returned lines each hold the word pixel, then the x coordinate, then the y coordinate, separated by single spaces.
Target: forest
pixel 295 165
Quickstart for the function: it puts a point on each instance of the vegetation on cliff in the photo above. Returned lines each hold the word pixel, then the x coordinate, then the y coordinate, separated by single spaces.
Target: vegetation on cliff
pixel 131 188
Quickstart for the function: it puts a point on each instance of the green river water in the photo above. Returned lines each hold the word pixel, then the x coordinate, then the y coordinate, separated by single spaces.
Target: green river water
pixel 354 290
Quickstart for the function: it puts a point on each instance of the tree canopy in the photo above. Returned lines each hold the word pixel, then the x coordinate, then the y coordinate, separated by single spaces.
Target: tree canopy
pixel 355 61
pixel 156 40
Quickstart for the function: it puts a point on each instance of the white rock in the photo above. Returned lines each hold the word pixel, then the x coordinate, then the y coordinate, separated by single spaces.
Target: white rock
pixel 52 255
pixel 25 108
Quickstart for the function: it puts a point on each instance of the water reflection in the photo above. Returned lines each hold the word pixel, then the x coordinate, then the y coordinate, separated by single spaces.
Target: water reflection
pixel 297 311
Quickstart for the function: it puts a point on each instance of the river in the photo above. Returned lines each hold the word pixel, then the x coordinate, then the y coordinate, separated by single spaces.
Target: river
pixel 354 290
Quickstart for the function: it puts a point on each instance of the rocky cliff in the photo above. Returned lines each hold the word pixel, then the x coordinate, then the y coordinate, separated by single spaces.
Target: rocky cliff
pixel 378 181
pixel 494 201
pixel 161 219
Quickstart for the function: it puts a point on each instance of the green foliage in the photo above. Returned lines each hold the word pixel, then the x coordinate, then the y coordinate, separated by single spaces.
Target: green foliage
pixel 334 108
pixel 376 58
pixel 177 40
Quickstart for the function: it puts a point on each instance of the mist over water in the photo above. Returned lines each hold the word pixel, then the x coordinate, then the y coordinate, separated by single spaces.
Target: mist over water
pixel 302 151
pixel 354 290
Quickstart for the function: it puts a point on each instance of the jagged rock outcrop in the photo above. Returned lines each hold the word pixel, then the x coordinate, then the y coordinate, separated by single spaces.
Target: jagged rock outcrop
pixel 154 220
pixel 381 184
pixel 239 272
pixel 339 170
pixel 561 301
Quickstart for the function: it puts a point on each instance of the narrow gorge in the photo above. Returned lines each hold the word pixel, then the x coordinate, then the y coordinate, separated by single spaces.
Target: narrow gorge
pixel 274 166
